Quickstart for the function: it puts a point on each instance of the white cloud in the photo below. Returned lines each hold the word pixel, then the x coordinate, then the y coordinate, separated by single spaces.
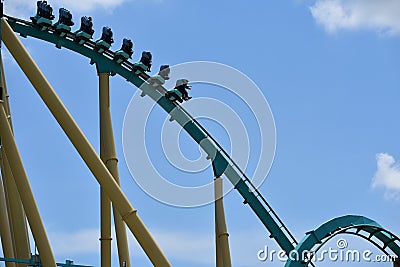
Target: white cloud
pixel 88 5
pixel 177 245
pixel 191 246
pixel 85 242
pixel 27 8
pixel 194 247
pixel 387 176
pixel 186 246
pixel 379 15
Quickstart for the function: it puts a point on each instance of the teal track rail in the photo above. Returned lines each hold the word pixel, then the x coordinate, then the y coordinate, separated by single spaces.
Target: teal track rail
pixel 223 163
pixel 352 225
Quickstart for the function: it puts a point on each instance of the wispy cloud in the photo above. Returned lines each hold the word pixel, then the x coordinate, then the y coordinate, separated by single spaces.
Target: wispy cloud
pixel 89 5
pixel 387 176
pixel 382 16
pixel 187 246
pixel 26 8
pixel 85 242
pixel 191 247
pixel 178 245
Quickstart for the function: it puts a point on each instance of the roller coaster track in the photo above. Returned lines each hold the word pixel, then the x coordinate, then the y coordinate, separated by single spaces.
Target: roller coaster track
pixel 222 162
pixel 352 225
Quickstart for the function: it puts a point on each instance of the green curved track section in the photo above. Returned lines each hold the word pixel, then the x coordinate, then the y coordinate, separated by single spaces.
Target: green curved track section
pixel 350 224
pixel 222 162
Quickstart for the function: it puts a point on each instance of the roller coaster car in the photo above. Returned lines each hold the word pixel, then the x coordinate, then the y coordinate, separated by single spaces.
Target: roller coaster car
pixel 157 80
pixel 125 52
pixel 40 21
pixel 144 65
pixel 121 56
pixel 106 40
pixel 86 31
pixel 81 37
pixel 164 72
pixel 102 45
pixel 160 78
pixel 139 67
pixel 173 95
pixel 179 92
pixel 44 15
pixel 64 23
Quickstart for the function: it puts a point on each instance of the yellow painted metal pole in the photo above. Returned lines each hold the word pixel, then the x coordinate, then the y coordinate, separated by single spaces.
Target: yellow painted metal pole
pixel 218 251
pixel 105 204
pixel 105 229
pixel 5 231
pixel 222 232
pixel 24 188
pixel 5 91
pixel 109 157
pixel 16 214
pixel 84 148
pixel 5 227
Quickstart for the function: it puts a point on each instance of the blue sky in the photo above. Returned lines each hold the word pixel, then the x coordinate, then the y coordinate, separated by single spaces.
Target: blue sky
pixel 328 68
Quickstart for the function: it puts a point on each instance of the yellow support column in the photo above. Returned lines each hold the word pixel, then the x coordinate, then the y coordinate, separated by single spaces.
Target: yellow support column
pixel 16 214
pixel 5 231
pixel 105 229
pixel 109 157
pixel 5 91
pixel 5 227
pixel 84 148
pixel 105 204
pixel 24 188
pixel 222 242
pixel 218 251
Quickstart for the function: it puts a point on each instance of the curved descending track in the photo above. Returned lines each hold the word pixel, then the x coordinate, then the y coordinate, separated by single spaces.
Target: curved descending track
pixel 222 162
pixel 350 224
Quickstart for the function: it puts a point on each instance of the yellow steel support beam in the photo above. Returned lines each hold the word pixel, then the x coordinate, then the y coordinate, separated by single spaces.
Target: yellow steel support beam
pixel 218 251
pixel 5 231
pixel 105 204
pixel 109 157
pixel 5 226
pixel 24 188
pixel 222 242
pixel 105 229
pixel 5 91
pixel 16 215
pixel 84 148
